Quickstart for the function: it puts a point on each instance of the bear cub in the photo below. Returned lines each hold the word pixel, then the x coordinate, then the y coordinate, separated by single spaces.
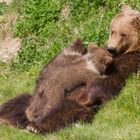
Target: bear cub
pixel 82 71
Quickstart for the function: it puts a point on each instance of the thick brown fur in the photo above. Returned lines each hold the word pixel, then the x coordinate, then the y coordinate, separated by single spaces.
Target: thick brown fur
pixel 50 95
pixel 13 112
pixel 71 112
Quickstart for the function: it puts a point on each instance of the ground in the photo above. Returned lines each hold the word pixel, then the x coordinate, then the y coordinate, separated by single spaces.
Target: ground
pixel 7 1
pixel 9 45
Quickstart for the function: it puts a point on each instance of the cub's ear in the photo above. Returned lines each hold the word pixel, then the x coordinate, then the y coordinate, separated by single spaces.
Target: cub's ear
pixel 77 46
pixel 92 47
pixel 108 60
pixel 125 7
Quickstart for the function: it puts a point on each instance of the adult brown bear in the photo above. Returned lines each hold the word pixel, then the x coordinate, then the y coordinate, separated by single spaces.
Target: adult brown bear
pixel 82 102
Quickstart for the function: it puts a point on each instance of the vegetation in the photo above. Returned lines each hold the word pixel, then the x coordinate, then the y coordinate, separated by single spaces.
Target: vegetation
pixel 46 26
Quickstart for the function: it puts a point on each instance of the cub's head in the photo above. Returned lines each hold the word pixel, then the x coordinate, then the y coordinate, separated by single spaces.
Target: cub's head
pixel 100 57
pixel 35 112
pixel 125 31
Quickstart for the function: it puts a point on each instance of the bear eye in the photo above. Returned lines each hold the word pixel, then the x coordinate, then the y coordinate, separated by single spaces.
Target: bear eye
pixel 112 32
pixel 123 34
pixel 41 93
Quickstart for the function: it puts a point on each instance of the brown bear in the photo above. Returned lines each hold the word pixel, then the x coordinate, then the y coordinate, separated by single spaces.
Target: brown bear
pixel 51 93
pixel 86 99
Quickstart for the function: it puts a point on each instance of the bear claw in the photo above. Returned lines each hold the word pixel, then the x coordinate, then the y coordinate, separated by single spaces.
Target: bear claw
pixel 32 129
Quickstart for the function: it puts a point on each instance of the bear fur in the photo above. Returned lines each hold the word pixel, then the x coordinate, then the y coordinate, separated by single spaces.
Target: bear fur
pixel 50 95
pixel 12 113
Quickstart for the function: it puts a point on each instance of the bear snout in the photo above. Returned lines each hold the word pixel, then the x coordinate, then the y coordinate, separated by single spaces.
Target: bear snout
pixel 33 116
pixel 36 117
pixel 111 49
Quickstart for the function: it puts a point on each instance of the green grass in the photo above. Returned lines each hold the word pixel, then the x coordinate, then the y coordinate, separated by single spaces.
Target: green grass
pixel 119 118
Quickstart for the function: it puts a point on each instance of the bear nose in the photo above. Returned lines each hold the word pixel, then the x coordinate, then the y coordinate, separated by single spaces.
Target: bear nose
pixel 38 117
pixel 33 116
pixel 111 49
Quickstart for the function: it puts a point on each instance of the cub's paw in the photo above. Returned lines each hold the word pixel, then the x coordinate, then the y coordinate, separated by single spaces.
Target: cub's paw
pixel 32 128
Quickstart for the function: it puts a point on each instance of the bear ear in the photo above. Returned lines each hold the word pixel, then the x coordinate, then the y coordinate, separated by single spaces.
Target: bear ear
pixel 125 7
pixel 92 47
pixel 108 60
pixel 77 46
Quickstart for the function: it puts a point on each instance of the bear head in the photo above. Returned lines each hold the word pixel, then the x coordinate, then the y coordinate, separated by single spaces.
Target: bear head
pixel 125 32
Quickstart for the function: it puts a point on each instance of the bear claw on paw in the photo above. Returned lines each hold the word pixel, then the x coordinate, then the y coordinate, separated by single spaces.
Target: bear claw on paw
pixel 32 129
